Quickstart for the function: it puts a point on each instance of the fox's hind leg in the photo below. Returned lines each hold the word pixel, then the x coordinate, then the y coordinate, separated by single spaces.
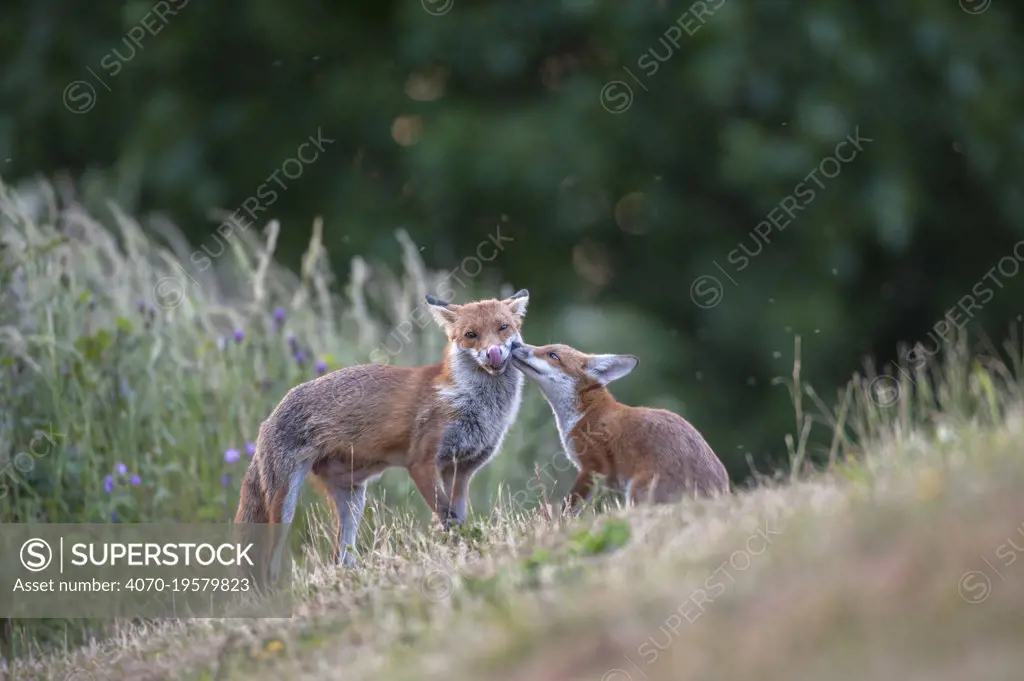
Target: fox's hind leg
pixel 641 489
pixel 290 475
pixel 655 489
pixel 349 500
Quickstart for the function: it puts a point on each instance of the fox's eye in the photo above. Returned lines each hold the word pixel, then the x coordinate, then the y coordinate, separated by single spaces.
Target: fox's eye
pixel 552 355
pixel 471 334
pixel 502 327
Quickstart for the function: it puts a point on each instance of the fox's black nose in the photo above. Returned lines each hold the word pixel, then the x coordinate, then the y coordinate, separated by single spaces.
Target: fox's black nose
pixel 519 351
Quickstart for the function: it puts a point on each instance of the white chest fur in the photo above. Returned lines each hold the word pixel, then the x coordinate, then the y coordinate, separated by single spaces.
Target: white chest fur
pixel 486 406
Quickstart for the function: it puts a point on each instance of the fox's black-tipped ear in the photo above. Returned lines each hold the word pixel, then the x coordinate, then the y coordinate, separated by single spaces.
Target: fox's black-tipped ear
pixel 518 302
pixel 442 311
pixel 608 368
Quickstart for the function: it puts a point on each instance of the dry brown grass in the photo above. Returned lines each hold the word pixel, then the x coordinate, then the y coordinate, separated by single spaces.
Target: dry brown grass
pixel 859 579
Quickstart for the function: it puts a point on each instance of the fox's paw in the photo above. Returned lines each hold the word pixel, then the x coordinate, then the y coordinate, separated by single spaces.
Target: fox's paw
pixel 570 510
pixel 451 520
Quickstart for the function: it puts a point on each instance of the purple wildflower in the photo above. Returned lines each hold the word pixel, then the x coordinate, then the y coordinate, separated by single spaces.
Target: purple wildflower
pixel 232 455
pixel 299 357
pixel 225 480
pixel 293 342
pixel 108 484
pixel 121 469
pixel 250 448
pixel 239 336
pixel 279 315
pixel 142 305
pixel 114 517
pixel 136 480
pixel 63 368
pixel 321 367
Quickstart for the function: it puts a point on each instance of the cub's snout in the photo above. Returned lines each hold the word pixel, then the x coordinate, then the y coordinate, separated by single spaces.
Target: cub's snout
pixel 521 351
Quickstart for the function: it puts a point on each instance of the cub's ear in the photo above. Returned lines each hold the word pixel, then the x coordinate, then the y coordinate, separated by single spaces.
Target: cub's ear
pixel 444 313
pixel 608 368
pixel 518 301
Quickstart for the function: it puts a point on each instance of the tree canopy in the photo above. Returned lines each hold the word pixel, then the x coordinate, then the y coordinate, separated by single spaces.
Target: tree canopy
pixel 694 183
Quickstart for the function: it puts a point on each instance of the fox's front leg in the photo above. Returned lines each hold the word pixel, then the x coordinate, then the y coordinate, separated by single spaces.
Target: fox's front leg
pixel 424 476
pixel 445 488
pixel 456 487
pixel 580 491
pixel 459 457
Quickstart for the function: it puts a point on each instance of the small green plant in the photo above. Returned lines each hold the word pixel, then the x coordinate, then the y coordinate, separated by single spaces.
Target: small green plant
pixel 609 536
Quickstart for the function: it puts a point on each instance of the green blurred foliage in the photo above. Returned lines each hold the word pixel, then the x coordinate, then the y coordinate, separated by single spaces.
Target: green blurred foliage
pixel 444 124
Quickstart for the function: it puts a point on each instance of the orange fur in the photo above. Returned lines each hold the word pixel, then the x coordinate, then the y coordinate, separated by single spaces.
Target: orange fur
pixel 349 426
pixel 649 453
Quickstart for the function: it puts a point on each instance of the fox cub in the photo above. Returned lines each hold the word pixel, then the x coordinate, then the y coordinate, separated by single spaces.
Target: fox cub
pixel 441 422
pixel 650 454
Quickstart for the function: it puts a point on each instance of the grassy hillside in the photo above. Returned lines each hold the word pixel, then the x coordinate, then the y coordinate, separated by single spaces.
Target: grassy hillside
pixel 901 565
pixel 133 381
pixel 899 561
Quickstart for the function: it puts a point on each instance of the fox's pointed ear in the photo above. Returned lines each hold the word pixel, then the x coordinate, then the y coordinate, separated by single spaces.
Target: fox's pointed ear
pixel 443 312
pixel 518 302
pixel 608 368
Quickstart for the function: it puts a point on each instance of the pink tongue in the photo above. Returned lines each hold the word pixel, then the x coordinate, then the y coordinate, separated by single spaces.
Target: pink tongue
pixel 494 356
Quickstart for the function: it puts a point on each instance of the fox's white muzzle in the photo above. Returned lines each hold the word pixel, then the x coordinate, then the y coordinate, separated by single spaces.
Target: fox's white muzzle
pixel 495 358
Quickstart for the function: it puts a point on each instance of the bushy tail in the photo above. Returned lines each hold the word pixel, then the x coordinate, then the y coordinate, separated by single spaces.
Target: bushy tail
pixel 251 521
pixel 252 505
pixel 265 507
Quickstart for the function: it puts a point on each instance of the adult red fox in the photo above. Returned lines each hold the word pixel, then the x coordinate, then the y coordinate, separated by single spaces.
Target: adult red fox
pixel 441 422
pixel 650 454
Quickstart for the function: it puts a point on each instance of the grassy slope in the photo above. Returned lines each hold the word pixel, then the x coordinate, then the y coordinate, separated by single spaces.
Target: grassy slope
pixel 860 578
